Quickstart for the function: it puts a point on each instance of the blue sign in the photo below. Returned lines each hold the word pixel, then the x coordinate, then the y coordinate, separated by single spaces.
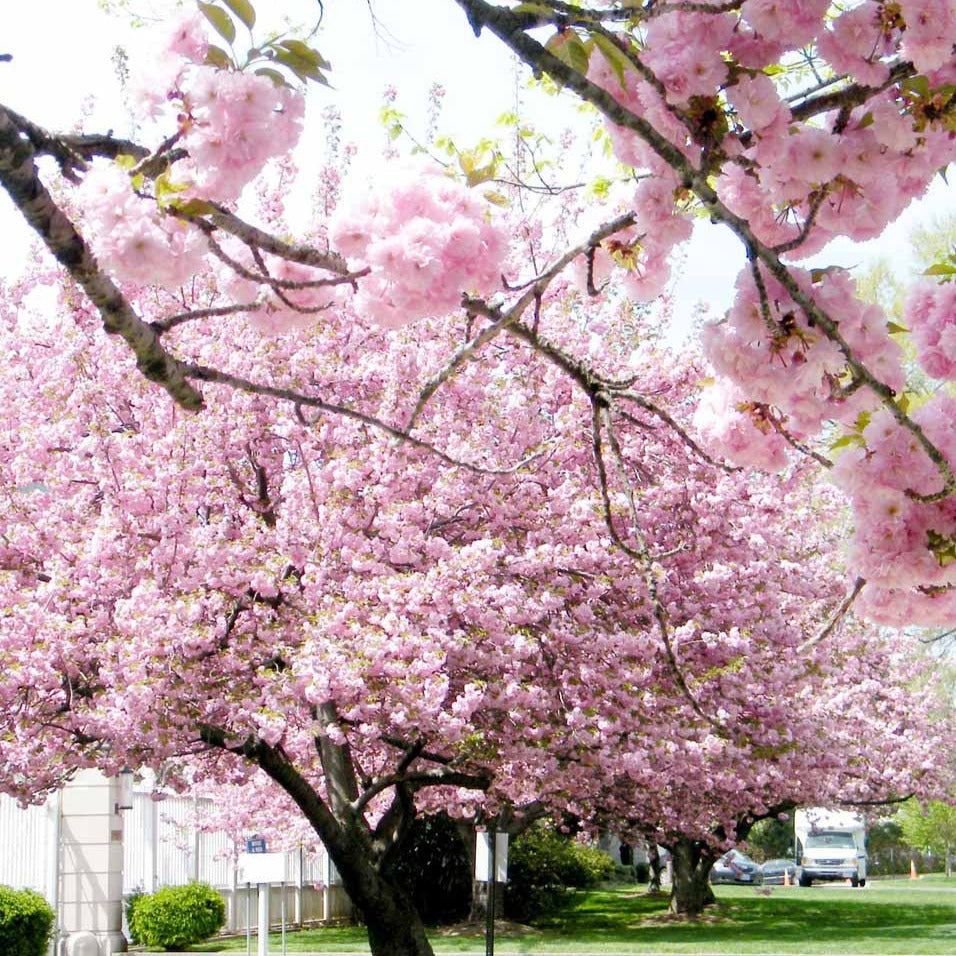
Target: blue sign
pixel 256 844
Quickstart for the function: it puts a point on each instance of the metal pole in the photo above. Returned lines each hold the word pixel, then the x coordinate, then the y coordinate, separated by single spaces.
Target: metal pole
pixel 264 908
pixel 283 918
pixel 490 910
pixel 248 920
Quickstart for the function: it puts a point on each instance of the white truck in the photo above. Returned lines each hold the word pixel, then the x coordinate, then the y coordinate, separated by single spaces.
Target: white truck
pixel 831 845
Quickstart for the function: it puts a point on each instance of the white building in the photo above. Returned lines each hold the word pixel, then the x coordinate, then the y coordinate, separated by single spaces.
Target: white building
pixel 96 842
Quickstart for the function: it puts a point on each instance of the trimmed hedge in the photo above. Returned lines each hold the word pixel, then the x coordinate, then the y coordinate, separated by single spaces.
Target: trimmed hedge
pixel 26 922
pixel 177 916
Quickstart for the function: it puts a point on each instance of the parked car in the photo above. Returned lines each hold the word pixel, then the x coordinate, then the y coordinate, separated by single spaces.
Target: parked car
pixel 735 867
pixel 772 871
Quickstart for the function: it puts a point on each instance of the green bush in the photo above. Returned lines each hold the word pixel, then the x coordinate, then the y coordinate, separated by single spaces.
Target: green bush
pixel 543 865
pixel 26 922
pixel 132 901
pixel 177 916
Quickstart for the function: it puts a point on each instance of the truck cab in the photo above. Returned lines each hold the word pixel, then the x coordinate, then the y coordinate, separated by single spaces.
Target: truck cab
pixel 831 846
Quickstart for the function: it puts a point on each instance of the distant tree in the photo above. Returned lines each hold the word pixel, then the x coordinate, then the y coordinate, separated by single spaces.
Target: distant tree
pixel 770 839
pixel 930 826
pixel 887 851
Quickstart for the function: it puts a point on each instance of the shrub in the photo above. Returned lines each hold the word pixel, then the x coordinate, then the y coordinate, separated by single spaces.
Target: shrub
pixel 26 921
pixel 132 901
pixel 177 916
pixel 542 865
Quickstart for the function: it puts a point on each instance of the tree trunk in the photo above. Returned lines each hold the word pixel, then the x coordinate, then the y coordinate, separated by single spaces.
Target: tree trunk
pixel 949 860
pixel 393 924
pixel 690 891
pixel 656 866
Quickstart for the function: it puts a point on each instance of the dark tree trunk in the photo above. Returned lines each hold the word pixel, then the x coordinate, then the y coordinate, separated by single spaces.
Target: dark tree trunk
pixel 656 866
pixel 690 891
pixel 394 925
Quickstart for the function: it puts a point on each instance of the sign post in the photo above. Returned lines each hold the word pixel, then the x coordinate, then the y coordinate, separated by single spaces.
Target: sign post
pixel 490 909
pixel 262 868
pixel 491 867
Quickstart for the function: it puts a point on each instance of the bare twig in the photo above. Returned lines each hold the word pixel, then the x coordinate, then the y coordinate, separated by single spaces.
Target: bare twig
pixel 299 400
pixel 837 617
pixel 601 420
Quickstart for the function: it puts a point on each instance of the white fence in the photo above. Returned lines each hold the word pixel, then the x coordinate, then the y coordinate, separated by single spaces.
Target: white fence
pixel 26 845
pixel 163 847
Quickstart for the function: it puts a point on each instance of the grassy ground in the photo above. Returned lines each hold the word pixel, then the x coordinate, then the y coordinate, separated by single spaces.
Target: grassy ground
pixel 887 917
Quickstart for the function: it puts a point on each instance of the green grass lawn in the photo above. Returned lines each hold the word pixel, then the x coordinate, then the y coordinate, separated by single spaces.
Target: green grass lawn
pixel 887 917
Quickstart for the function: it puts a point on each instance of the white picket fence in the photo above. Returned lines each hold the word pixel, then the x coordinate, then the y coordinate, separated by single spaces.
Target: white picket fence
pixel 163 847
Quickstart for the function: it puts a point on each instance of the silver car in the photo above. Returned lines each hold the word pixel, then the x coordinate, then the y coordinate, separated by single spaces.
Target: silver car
pixel 735 867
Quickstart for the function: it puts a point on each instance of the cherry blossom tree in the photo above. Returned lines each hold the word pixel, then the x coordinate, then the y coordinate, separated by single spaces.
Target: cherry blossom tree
pixel 383 630
pixel 410 518
pixel 787 124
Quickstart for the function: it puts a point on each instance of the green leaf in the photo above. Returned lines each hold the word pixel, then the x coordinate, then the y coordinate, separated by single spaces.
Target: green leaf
pixel 569 48
pixel 304 69
pixel 125 161
pixel 306 53
pixel 613 54
pixel 217 56
pixel 273 75
pixel 865 120
pixel 941 269
pixel 166 190
pixel 244 10
pixel 499 199
pixel 846 441
pixel 220 20
pixel 918 84
pixel 538 8
pixel 580 55
pixel 194 207
pixel 895 329
pixel 482 174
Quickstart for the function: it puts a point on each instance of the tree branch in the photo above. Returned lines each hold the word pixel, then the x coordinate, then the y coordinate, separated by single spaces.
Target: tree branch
pixel 834 621
pixel 510 29
pixel 20 178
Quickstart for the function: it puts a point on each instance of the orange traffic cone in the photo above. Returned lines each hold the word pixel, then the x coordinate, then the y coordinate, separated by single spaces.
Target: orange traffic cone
pixel 913 874
pixel 786 878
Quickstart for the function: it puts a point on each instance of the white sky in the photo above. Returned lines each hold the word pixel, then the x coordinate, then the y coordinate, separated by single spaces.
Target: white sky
pixel 59 65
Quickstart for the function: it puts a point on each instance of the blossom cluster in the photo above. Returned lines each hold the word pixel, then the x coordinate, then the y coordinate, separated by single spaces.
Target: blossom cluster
pixel 426 240
pixel 229 123
pixel 131 236
pixel 903 545
pixel 930 313
pixel 779 357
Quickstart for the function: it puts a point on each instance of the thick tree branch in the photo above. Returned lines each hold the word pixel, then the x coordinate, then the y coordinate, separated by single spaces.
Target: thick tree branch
pixel 856 94
pixel 20 178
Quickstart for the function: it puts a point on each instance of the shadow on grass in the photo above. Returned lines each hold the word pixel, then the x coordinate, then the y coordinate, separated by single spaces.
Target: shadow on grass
pixel 741 916
pixel 833 920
